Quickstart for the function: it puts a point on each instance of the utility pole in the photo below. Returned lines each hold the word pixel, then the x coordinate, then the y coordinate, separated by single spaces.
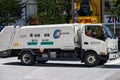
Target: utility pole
pixel 114 22
pixel 74 12
pixel 72 4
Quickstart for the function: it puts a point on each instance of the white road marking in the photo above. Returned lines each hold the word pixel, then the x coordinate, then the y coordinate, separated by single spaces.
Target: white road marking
pixel 114 61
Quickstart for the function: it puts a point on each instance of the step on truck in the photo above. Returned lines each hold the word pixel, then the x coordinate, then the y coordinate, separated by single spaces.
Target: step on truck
pixel 93 44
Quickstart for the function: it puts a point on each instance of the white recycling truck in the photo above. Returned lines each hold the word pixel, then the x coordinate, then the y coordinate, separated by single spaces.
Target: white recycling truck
pixel 66 42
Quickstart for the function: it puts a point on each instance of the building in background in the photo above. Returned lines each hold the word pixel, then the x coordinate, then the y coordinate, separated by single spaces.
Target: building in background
pixel 87 11
pixel 62 11
pixel 109 18
pixel 29 9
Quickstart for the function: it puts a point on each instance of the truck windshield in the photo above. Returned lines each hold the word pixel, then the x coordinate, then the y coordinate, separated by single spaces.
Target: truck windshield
pixel 1 28
pixel 108 32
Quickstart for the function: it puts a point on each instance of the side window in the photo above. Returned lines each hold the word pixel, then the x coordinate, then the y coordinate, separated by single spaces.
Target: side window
pixel 94 32
pixel 88 31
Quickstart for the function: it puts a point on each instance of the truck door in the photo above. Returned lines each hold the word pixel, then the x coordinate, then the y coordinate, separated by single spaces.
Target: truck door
pixel 93 38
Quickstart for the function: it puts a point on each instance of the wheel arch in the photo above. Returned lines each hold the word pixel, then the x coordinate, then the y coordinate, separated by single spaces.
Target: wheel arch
pixel 85 52
pixel 91 61
pixel 26 50
pixel 90 51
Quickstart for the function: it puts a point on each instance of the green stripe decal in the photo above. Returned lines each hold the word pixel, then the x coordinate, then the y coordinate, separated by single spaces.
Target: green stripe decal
pixel 46 43
pixel 32 43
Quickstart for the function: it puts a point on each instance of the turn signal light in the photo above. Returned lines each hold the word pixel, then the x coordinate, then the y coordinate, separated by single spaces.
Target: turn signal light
pixel 101 53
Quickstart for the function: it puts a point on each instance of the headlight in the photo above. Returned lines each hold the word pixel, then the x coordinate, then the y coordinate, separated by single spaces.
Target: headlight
pixel 110 50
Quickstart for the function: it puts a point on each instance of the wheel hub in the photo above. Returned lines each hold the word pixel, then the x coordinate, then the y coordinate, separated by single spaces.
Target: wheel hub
pixel 26 58
pixel 91 59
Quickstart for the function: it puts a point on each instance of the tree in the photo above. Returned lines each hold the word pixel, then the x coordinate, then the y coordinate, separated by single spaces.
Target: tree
pixel 10 11
pixel 116 7
pixel 53 11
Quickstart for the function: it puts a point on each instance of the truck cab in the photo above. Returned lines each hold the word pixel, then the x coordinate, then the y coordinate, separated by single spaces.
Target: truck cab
pixel 98 40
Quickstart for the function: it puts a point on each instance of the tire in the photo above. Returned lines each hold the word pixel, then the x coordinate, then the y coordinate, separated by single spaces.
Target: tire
pixel 91 59
pixel 102 62
pixel 42 62
pixel 27 58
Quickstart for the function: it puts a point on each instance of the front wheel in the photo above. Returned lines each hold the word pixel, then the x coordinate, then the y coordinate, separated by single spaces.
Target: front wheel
pixel 27 58
pixel 91 59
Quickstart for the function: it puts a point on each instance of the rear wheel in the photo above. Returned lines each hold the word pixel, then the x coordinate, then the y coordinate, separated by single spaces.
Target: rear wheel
pixel 27 58
pixel 91 59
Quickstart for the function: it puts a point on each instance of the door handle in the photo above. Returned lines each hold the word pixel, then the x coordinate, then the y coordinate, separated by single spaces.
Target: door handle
pixel 85 42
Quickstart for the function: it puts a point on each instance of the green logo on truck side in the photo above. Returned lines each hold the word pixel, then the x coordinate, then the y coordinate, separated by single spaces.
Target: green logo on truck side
pixel 32 43
pixel 42 43
pixel 46 43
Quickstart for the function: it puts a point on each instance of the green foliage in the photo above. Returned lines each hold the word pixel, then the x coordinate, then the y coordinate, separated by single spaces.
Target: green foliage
pixel 116 7
pixel 10 11
pixel 51 11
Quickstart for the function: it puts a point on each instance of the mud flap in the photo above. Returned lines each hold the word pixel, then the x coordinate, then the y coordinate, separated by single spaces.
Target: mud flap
pixel 5 54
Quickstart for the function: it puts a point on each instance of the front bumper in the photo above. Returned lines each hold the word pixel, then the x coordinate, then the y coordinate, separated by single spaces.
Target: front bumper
pixel 113 55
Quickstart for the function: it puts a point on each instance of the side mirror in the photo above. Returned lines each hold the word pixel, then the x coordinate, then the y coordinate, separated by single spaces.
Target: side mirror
pixel 102 37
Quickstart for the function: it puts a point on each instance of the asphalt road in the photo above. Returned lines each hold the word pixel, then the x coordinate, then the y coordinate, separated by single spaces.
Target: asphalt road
pixel 12 69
